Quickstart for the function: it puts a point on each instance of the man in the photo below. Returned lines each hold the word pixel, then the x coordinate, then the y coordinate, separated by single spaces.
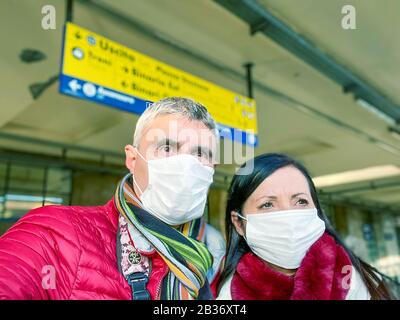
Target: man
pixel 148 242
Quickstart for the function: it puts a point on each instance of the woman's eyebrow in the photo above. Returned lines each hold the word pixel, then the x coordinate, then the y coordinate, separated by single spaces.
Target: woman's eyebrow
pixel 266 197
pixel 275 197
pixel 298 194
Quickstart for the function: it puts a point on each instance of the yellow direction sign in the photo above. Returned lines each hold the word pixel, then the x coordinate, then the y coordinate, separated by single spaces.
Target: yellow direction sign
pixel 101 70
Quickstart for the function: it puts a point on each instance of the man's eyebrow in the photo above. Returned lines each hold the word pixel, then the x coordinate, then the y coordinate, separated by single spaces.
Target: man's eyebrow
pixel 203 149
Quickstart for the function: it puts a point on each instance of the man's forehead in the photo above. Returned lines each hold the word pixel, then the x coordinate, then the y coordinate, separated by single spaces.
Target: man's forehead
pixel 179 129
pixel 174 121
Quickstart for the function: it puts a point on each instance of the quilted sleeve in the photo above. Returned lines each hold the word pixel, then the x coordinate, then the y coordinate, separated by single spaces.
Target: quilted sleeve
pixel 39 256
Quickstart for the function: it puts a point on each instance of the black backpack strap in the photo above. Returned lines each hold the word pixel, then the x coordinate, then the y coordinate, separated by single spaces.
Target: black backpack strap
pixel 138 282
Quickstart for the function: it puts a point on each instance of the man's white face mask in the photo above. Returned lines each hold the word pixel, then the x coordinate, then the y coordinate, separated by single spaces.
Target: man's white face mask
pixel 177 188
pixel 283 237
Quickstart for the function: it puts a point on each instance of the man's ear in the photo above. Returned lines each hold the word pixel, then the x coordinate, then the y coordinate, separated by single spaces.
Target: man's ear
pixel 238 223
pixel 130 157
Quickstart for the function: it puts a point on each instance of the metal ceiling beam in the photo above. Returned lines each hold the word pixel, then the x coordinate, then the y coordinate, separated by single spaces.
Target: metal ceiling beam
pixel 261 20
pixel 69 4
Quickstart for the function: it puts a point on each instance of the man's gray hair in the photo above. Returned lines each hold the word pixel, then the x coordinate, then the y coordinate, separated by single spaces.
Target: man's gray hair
pixel 174 105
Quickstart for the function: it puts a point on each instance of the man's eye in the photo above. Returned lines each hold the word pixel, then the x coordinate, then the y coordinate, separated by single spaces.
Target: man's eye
pixel 201 154
pixel 165 148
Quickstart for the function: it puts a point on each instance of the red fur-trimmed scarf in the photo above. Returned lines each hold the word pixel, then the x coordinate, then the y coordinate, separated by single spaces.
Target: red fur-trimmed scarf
pixel 322 275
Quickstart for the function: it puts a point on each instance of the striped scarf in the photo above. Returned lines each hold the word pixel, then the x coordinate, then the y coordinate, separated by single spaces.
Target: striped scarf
pixel 187 257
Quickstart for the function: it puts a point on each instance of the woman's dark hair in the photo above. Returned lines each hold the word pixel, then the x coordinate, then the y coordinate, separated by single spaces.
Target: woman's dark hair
pixel 243 185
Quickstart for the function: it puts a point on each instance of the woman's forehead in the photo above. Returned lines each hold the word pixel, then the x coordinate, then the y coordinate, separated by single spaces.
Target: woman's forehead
pixel 284 180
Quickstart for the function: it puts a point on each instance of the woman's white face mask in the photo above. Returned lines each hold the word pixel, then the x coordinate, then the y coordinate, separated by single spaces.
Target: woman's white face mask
pixel 177 188
pixel 283 237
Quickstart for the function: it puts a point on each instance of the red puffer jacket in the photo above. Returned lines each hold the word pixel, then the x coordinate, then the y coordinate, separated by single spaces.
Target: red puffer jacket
pixel 77 245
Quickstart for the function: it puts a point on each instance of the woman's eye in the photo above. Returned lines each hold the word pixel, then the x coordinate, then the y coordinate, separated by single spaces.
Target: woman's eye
pixel 302 202
pixel 266 205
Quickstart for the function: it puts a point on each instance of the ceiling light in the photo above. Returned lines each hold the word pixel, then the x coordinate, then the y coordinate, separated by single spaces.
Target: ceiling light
pixel 370 173
pixel 371 108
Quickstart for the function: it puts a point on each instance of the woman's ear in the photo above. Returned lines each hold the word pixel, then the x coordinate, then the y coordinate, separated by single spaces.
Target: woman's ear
pixel 238 223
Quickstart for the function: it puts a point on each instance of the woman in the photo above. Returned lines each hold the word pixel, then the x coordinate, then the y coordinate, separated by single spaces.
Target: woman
pixel 282 246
